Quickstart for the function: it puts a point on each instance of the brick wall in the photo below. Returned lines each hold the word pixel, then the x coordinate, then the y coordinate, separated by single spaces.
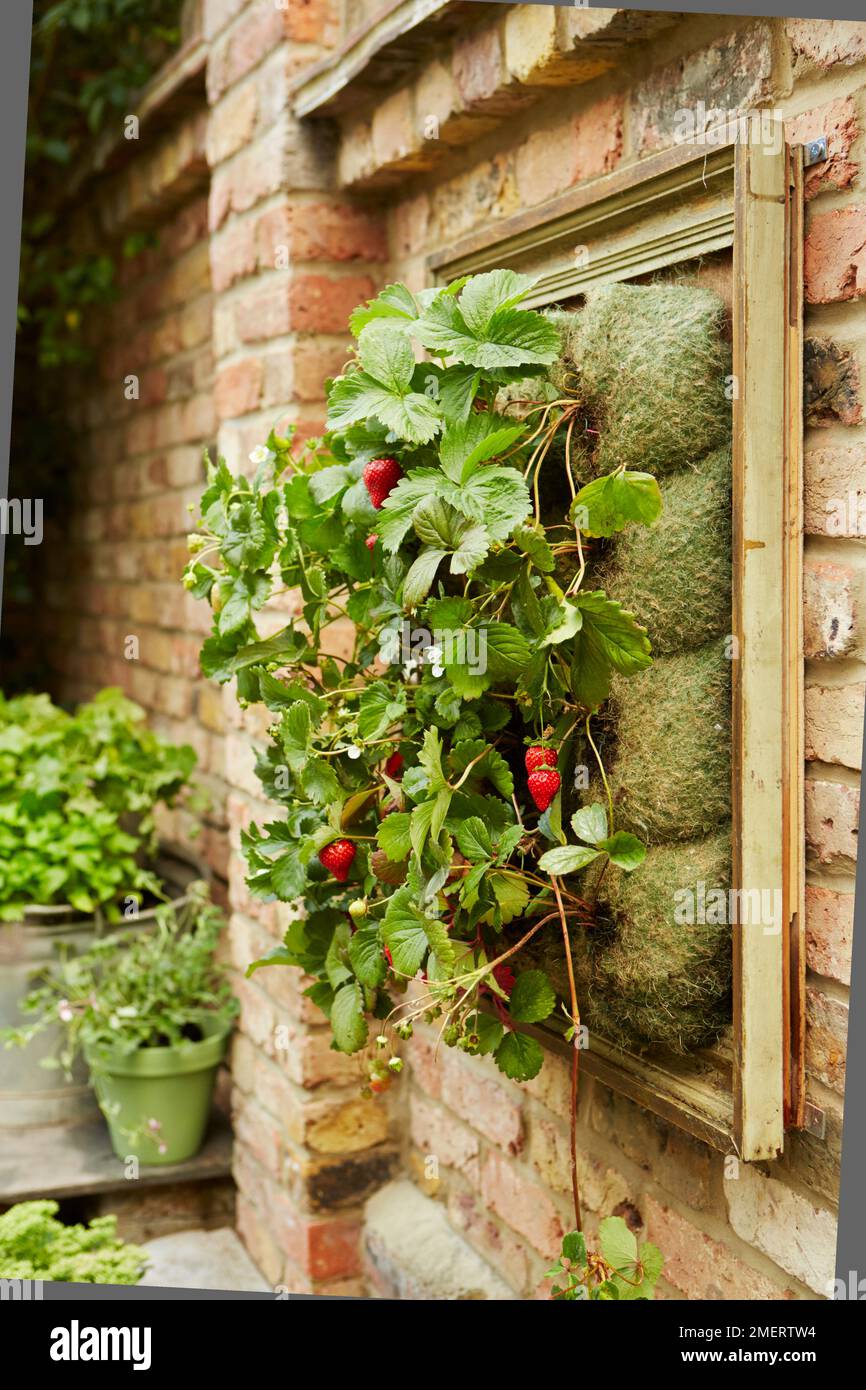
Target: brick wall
pixel 285 226
pixel 139 418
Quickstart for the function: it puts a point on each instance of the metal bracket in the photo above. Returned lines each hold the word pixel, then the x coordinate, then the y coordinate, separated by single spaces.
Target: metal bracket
pixel 815 1121
pixel 815 151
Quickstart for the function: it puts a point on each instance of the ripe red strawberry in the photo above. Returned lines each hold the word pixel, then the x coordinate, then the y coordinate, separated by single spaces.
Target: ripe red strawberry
pixel 370 542
pixel 540 757
pixel 543 785
pixel 380 477
pixel 337 858
pixel 394 765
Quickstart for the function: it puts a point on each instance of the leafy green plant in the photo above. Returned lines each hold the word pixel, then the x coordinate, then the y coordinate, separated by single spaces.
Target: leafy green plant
pixel 409 773
pixel 77 797
pixel 88 59
pixel 140 988
pixel 621 1270
pixel 35 1245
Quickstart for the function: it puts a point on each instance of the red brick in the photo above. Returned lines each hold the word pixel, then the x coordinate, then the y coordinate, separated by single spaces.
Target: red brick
pixel 424 1061
pixel 824 43
pixel 700 1267
pixel 335 232
pixel 438 1135
pixel 478 67
pixel 830 610
pixel 310 21
pixel 835 256
pixel 239 388
pixel 838 121
pixel 321 304
pixel 507 1252
pixel 480 1100
pixel 234 254
pixel 523 1205
pixel 832 813
pixel 313 362
pixel 599 139
pixel 829 932
pixel 264 313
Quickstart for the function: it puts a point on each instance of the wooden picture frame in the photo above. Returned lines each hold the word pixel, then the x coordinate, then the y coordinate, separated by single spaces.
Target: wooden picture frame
pixel 670 209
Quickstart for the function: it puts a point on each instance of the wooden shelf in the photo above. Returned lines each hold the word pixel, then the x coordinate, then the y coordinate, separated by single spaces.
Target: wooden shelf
pixel 77 1160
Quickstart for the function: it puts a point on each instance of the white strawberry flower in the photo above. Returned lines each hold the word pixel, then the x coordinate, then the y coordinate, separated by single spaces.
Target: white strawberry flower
pixel 353 751
pixel 260 454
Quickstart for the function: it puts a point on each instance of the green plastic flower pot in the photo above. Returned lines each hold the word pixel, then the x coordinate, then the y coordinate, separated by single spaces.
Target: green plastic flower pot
pixel 157 1100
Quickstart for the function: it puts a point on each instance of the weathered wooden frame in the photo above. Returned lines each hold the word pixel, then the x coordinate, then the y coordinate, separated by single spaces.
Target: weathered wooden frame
pixel 670 209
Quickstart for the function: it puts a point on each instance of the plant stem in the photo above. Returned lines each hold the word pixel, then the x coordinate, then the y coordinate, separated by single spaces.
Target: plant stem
pixel 575 1019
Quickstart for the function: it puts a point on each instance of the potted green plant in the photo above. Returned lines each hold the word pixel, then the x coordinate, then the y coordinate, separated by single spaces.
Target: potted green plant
pixel 78 850
pixel 151 1015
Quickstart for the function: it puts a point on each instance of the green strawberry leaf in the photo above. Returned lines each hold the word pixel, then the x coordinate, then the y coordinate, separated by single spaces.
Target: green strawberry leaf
pixel 533 998
pixel 519 1057
pixel 607 505
pixel 566 859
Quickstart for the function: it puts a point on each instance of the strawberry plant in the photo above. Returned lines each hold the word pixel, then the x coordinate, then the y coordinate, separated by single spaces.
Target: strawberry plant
pixel 621 1270
pixel 425 784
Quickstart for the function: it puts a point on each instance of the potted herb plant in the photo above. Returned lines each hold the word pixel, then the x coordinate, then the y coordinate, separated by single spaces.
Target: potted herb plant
pixel 78 849
pixel 151 1015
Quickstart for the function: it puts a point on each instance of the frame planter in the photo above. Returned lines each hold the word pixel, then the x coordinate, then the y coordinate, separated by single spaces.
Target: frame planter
pixel 670 210
pixel 157 1100
pixel 31 1094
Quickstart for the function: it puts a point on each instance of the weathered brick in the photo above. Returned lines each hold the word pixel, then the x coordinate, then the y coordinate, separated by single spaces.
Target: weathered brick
pixel 232 123
pixel 254 1230
pixel 239 388
pixel 322 303
pixel 837 120
pixel 831 383
pixel 733 74
pixel 335 232
pixel 313 363
pixel 479 1099
pixel 824 43
pixel 524 1205
pixel 444 1140
pixel 797 1234
pixel 832 813
pixel 477 65
pixel 826 1039
pixel 835 491
pixel 835 256
pixel 233 254
pixel 503 1249
pixel 396 140
pixel 700 1267
pixel 830 610
pixel 349 1128
pixel 829 931
pixel 834 724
